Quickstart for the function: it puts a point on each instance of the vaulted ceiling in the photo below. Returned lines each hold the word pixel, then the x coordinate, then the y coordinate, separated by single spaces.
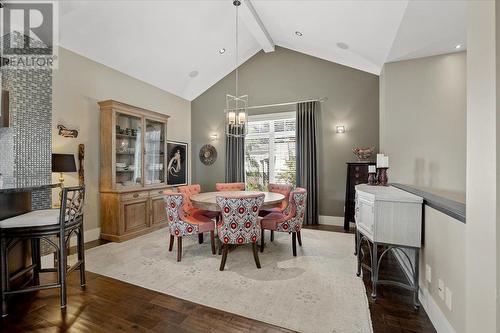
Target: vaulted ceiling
pixel 175 45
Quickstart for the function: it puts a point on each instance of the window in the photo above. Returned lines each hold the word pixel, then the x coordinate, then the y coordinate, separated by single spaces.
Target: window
pixel 270 150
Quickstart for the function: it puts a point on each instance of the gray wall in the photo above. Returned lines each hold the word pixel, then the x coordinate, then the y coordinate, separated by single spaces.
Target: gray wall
pixel 282 76
pixel 423 130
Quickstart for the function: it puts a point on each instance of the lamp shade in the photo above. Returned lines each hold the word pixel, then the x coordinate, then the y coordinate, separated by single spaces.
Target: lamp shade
pixel 63 163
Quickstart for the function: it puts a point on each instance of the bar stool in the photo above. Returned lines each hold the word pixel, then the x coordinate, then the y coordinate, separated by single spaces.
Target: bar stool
pixel 41 224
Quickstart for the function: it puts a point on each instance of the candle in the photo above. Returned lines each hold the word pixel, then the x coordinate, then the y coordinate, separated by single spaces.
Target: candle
pixel 241 118
pixel 382 161
pixel 231 117
pixel 372 169
pixel 380 158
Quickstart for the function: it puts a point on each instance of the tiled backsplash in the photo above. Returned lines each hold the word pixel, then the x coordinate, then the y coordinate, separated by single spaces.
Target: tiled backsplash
pixel 7 156
pixel 26 146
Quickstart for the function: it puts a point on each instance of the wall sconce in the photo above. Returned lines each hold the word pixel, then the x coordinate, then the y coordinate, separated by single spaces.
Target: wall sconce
pixel 213 137
pixel 340 129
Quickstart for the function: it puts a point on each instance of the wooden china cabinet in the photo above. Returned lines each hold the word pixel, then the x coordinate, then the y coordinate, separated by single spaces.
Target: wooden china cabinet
pixel 133 170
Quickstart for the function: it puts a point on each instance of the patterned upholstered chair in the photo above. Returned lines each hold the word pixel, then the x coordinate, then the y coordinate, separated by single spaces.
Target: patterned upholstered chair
pixel 181 225
pixel 284 189
pixel 289 221
pixel 189 209
pixel 230 186
pixel 40 225
pixel 240 223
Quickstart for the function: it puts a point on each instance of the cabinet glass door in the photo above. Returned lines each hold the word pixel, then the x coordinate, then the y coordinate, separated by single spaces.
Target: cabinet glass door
pixel 154 158
pixel 128 150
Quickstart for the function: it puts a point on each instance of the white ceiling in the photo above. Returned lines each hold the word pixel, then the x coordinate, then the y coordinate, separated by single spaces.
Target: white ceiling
pixel 161 42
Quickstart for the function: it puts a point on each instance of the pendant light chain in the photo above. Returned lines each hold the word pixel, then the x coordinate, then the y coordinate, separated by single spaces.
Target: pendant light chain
pixel 236 106
pixel 237 4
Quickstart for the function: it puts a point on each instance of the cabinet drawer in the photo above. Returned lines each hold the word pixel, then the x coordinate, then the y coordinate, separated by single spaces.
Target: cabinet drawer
pixel 133 196
pixel 157 193
pixel 365 214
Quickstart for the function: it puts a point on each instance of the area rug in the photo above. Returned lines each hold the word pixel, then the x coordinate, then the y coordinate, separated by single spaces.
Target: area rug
pixel 317 291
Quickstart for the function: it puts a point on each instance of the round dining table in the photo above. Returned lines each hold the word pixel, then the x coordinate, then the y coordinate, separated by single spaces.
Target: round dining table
pixel 207 200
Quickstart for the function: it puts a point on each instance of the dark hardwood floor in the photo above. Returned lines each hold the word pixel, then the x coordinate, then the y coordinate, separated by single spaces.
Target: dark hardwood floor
pixel 109 305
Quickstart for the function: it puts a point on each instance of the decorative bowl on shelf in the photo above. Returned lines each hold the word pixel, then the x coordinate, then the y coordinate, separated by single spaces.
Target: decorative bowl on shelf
pixel 363 154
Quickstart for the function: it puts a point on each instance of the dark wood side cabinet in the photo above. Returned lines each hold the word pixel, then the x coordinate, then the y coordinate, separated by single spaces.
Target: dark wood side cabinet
pixel 357 173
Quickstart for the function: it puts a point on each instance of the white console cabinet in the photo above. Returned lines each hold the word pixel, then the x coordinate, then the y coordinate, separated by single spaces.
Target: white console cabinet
pixel 389 217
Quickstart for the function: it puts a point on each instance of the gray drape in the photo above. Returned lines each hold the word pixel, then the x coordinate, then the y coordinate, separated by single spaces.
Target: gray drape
pixel 306 158
pixel 235 157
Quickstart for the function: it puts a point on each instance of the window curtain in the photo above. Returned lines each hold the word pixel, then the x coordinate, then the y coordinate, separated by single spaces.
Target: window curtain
pixel 235 157
pixel 306 158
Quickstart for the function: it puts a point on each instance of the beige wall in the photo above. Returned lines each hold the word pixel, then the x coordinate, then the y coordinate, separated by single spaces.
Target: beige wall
pixel 444 252
pixel 283 76
pixel 78 85
pixel 497 50
pixel 423 121
pixel 423 130
pixel 483 138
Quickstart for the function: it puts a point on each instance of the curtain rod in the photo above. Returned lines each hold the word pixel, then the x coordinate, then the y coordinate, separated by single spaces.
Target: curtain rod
pixel 321 100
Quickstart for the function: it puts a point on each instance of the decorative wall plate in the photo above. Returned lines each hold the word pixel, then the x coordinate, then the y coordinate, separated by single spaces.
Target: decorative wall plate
pixel 208 154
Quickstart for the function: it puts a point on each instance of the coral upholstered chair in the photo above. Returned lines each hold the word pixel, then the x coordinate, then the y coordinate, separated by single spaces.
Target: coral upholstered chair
pixel 240 223
pixel 230 186
pixel 181 225
pixel 289 221
pixel 188 207
pixel 284 189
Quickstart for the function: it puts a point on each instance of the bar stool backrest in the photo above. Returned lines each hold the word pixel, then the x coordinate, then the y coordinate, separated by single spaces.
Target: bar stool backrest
pixel 72 203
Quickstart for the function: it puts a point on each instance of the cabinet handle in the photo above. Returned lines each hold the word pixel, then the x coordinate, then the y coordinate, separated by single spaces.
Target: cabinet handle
pixel 136 195
pixel 160 192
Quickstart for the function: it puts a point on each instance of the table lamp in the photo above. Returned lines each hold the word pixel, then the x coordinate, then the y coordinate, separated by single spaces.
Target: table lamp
pixel 63 163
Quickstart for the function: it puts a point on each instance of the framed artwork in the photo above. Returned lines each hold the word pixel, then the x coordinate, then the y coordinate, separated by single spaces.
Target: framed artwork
pixel 177 163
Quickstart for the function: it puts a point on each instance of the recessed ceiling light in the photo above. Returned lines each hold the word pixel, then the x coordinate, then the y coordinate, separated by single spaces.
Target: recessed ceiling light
pixel 342 45
pixel 458 46
pixel 221 51
pixel 298 33
pixel 193 74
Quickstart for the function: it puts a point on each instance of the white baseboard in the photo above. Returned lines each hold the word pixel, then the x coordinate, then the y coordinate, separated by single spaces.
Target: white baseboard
pixel 88 235
pixel 331 220
pixel 437 317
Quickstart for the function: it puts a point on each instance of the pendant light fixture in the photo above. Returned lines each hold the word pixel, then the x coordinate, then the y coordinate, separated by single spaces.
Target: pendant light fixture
pixel 236 113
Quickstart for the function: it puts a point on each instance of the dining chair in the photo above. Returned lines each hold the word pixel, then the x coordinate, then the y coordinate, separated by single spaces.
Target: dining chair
pixel 44 224
pixel 284 189
pixel 288 221
pixel 189 209
pixel 181 225
pixel 239 223
pixel 230 186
